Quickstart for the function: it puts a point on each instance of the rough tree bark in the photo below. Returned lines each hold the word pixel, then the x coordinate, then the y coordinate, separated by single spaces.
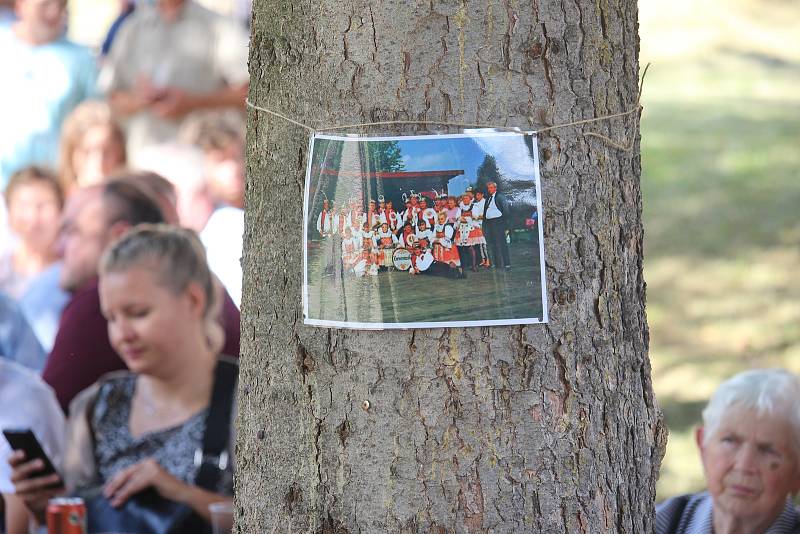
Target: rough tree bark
pixel 545 428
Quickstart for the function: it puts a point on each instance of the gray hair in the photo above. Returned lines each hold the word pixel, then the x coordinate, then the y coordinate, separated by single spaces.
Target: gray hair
pixel 179 258
pixel 773 392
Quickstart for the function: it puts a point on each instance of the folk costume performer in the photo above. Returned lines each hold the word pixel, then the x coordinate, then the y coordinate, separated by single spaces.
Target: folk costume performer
pixel 443 249
pixel 478 211
pixel 325 220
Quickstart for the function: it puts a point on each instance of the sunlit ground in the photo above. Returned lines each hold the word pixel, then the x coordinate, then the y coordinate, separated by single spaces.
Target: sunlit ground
pixel 721 186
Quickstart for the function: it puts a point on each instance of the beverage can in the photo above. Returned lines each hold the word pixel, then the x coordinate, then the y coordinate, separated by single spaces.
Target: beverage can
pixel 66 515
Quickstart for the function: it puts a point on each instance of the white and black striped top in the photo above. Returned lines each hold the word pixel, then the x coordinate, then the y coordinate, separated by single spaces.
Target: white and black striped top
pixel 692 514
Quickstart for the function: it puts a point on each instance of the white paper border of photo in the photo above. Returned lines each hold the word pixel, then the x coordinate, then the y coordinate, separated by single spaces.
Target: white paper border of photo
pixel 425 324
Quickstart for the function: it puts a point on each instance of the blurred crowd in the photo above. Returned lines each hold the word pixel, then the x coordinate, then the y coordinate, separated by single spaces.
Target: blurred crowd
pixel 147 129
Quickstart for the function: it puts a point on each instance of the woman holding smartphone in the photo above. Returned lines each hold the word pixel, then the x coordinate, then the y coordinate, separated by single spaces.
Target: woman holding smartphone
pixel 143 429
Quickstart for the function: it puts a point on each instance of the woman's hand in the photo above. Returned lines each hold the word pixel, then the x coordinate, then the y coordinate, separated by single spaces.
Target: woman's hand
pixel 145 474
pixel 34 491
pixel 148 474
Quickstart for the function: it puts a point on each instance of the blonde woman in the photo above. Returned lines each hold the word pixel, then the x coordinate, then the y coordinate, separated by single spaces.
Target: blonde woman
pixel 146 430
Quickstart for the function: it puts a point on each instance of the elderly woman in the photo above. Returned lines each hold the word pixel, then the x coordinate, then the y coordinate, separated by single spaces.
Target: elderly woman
pixel 750 448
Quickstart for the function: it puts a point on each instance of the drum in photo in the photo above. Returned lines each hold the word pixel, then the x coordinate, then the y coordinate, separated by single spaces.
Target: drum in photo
pixel 401 259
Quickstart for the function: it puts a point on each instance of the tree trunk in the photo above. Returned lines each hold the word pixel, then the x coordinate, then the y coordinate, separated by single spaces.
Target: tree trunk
pixel 541 428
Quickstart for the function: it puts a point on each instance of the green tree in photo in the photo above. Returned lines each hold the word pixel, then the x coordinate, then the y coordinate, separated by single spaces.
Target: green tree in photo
pixel 384 156
pixel 487 172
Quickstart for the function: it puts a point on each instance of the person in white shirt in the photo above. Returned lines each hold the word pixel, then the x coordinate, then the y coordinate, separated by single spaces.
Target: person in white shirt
pixel 469 235
pixel 463 230
pixel 444 250
pixel 425 238
pixel 478 211
pixel 373 216
pixel 425 234
pixel 494 227
pixel 26 402
pixel 351 249
pixel 439 203
pixel 325 228
pixel 387 242
pixel 369 249
pixel 410 215
pixel 223 238
pixel 356 217
pixel 325 224
pixel 341 222
pixel 392 217
pixel 155 80
pixel 427 214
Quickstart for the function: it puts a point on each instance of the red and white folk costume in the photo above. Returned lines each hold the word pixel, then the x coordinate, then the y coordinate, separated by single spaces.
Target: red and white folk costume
pixel 340 222
pixel 470 231
pixel 439 204
pixel 478 213
pixel 425 236
pixel 355 219
pixel 408 240
pixel 387 242
pixel 373 216
pixel 444 251
pixel 425 239
pixel 464 224
pixel 393 219
pixel 351 251
pixel 325 222
pixel 410 216
pixel 385 238
pixel 369 251
pixel 429 216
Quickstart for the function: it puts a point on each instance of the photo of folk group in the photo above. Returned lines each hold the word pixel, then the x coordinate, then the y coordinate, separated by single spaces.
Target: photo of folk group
pixel 423 231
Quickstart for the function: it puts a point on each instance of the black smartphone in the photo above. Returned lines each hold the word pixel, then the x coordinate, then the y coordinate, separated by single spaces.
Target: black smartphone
pixel 24 439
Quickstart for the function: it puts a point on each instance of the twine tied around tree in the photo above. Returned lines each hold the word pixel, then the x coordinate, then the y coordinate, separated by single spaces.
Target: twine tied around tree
pixel 626 146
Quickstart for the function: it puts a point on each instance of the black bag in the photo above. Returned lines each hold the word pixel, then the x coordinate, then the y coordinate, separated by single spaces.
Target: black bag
pixel 149 513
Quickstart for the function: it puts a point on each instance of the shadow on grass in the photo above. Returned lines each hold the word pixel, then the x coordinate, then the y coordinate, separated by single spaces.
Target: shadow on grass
pixel 759 58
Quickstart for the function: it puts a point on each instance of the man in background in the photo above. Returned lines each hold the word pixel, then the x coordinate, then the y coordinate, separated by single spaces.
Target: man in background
pixel 495 226
pixel 94 217
pixel 169 60
pixel 26 402
pixel 44 77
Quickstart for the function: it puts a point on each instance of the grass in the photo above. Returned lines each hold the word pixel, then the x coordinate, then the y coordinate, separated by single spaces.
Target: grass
pixel 720 158
pixel 397 297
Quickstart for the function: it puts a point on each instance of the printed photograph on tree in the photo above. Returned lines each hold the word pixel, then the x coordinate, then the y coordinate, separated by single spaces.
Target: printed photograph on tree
pixel 423 231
